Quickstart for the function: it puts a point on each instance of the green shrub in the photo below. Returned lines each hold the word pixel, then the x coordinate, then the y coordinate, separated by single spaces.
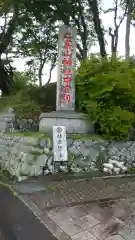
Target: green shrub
pixel 23 104
pixel 106 93
pixel 44 96
pixel 21 99
pixel 21 81
pixel 30 100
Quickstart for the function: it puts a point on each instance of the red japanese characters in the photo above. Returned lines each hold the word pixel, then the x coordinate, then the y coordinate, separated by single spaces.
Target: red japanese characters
pixel 67 64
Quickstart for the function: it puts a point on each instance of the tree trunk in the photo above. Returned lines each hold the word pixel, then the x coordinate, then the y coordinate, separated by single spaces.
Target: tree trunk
pixel 40 75
pixel 98 28
pixel 53 64
pixel 84 35
pixel 6 37
pixel 128 23
pixel 40 71
pixel 6 80
pixel 114 42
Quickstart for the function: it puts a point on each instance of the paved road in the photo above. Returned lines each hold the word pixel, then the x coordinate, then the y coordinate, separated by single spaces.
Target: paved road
pixel 84 210
pixel 17 222
pixel 70 192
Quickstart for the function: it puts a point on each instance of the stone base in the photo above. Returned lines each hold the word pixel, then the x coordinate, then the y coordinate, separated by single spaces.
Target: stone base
pixel 73 121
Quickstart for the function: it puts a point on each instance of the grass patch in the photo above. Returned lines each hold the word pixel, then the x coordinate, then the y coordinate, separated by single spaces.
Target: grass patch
pixel 27 134
pixel 84 136
pixel 69 136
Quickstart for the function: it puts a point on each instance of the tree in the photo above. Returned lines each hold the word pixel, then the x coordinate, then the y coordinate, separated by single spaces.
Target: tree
pixel 78 13
pixel 128 26
pixel 98 27
pixel 16 15
pixel 82 19
pixel 39 43
pixel 37 36
pixel 118 19
pixel 30 29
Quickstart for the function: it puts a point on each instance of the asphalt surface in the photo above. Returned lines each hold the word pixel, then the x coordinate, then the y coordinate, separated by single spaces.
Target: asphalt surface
pixel 17 222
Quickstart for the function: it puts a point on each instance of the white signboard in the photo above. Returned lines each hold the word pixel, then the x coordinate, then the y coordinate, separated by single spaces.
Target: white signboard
pixel 60 144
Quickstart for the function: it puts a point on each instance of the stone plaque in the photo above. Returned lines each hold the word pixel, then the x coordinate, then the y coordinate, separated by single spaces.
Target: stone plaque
pixel 60 144
pixel 65 100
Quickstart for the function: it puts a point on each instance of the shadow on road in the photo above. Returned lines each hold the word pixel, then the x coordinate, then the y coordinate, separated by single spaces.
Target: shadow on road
pixel 17 222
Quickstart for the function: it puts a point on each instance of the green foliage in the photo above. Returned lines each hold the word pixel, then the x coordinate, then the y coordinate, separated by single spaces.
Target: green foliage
pixel 24 106
pixel 106 93
pixel 44 96
pixel 28 100
pixel 21 81
pixel 131 170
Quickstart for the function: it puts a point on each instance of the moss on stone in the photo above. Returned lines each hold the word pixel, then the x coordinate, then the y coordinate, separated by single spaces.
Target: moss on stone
pixel 131 170
pixel 48 154
pixel 70 157
pixel 35 153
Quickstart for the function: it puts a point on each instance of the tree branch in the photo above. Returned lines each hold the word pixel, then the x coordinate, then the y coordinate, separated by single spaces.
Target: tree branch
pixel 115 14
pixel 52 67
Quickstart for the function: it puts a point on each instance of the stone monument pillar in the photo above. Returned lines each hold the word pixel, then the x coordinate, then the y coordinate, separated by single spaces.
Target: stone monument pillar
pixel 65 114
pixel 66 69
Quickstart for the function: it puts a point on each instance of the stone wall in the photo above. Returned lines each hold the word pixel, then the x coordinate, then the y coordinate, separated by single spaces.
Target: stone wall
pixel 33 156
pixel 24 125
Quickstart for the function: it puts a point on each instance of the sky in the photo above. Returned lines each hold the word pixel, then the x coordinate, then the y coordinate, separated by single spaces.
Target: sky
pixel 107 20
